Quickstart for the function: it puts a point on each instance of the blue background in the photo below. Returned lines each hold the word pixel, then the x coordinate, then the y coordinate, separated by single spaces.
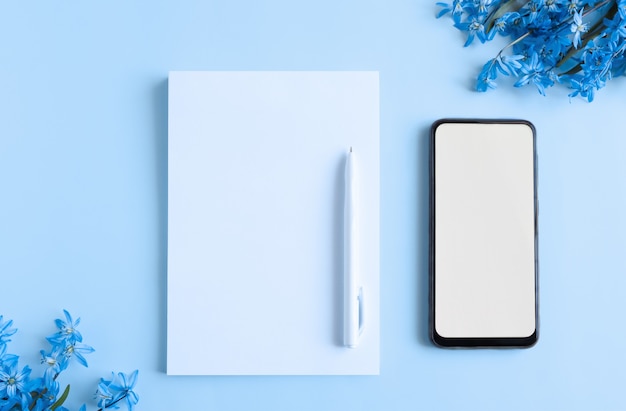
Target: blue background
pixel 83 179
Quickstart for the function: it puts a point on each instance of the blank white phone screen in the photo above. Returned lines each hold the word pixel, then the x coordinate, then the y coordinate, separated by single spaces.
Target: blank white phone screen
pixel 484 228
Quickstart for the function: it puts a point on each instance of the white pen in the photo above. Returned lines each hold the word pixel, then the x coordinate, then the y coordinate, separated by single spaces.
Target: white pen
pixel 352 290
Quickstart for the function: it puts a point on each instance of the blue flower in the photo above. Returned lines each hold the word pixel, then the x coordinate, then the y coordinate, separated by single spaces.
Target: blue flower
pixel 15 385
pixel 509 23
pixel 553 6
pixel 487 77
pixel 456 9
pixel 535 9
pixel 103 394
pixel 482 7
pixel 535 72
pixel 67 331
pixel 621 7
pixel 53 360
pixel 7 360
pixel 66 343
pixel 475 28
pixel 572 6
pixel 5 331
pixel 123 387
pixel 75 350
pixel 615 28
pixel 506 65
pixel 578 27
pixel 581 87
pixel 44 392
pixel 598 62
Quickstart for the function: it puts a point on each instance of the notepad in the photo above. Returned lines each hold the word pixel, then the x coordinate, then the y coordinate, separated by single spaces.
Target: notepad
pixel 255 221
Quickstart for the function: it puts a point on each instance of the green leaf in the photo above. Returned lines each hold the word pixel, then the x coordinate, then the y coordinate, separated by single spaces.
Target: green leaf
pixel 61 399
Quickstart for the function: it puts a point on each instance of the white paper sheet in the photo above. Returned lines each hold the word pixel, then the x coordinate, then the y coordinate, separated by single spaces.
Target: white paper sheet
pixel 255 224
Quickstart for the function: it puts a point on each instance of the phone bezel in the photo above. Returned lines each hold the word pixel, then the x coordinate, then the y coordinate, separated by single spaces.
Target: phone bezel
pixel 489 342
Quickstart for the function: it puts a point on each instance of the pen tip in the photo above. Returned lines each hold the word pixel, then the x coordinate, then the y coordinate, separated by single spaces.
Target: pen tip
pixel 351 149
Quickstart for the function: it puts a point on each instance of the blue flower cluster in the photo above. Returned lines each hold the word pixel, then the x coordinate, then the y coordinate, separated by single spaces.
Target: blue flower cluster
pixel 20 392
pixel 578 43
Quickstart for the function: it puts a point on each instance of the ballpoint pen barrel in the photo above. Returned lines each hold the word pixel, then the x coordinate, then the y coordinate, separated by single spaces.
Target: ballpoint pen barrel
pixel 351 285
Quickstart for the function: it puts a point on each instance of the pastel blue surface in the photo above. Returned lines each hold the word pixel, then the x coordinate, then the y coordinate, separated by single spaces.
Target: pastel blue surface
pixel 83 133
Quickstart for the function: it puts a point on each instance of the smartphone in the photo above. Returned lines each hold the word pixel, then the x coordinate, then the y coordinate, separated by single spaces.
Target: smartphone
pixel 483 233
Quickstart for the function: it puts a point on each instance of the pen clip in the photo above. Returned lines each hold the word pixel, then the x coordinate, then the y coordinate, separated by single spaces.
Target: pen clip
pixel 361 310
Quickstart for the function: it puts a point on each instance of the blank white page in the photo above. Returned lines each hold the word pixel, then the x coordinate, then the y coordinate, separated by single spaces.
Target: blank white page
pixel 255 229
pixel 484 231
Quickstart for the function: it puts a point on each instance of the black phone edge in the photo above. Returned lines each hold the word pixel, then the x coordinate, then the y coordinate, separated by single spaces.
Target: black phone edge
pixel 445 342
